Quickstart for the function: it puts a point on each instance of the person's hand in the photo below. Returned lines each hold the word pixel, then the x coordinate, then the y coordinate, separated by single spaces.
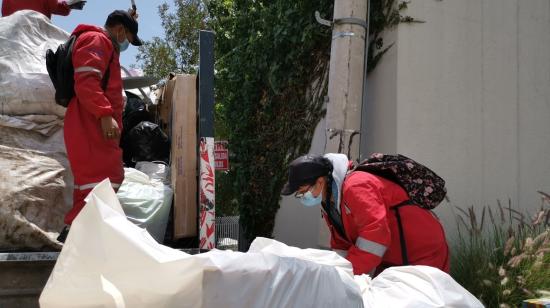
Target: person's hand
pixel 109 128
pixel 78 5
pixel 133 13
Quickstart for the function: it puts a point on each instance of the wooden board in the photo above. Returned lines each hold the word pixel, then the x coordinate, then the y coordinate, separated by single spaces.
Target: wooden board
pixel 184 155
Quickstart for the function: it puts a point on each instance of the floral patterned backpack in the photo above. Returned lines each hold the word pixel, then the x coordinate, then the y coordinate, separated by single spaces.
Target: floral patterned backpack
pixel 423 186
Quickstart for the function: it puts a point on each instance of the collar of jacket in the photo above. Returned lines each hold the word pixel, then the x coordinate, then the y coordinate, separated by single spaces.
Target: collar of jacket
pixel 340 164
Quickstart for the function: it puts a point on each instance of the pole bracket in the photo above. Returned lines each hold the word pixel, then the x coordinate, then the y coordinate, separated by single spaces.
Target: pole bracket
pixel 340 21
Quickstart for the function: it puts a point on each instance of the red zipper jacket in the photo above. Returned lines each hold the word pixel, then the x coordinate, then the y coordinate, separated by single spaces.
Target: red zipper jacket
pixel 372 239
pixel 92 157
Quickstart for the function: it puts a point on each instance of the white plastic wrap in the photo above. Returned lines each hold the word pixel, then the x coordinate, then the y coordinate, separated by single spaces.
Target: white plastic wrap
pixel 415 286
pixel 109 262
pixel 146 202
pixel 25 87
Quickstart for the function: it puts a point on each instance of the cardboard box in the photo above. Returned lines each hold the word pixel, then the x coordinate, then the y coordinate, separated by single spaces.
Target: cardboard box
pixel 184 155
pixel 164 109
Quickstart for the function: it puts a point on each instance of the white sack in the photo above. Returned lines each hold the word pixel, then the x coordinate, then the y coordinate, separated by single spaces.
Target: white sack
pixel 25 87
pixel 46 125
pixel 35 188
pixel 109 262
pixel 415 287
pixel 146 202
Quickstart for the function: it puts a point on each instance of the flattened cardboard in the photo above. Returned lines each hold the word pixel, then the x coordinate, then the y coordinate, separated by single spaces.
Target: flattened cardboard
pixel 184 155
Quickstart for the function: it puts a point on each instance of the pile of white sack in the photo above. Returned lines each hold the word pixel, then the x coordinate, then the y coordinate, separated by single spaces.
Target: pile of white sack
pixel 35 178
pixel 108 261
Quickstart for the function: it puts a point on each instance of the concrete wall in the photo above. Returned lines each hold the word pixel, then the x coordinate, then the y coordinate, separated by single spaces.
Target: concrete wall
pixel 473 98
pixel 468 94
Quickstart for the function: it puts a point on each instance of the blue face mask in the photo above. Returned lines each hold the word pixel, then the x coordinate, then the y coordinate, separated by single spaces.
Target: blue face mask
pixel 124 45
pixel 309 201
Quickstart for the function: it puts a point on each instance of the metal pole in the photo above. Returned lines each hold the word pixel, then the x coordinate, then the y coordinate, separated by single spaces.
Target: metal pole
pixel 363 151
pixel 345 84
pixel 207 213
pixel 345 87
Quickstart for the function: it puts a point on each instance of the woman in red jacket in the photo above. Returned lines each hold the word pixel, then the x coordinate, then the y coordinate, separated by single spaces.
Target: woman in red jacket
pixel 46 7
pixel 363 226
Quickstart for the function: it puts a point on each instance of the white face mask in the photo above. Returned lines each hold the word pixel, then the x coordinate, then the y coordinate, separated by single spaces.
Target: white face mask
pixel 309 200
pixel 124 45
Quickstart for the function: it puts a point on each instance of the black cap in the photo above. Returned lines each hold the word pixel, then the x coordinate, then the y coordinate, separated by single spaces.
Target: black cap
pixel 129 22
pixel 304 170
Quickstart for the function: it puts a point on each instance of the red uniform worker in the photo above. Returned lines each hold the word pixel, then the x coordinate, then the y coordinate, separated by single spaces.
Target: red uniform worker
pixel 369 234
pixel 93 121
pixel 46 7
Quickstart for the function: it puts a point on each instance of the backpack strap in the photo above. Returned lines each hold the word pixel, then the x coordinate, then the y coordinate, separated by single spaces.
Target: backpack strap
pixel 107 75
pixel 332 213
pixel 404 255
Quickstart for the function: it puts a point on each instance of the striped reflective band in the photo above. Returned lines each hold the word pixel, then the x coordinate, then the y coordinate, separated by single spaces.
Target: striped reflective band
pixel 83 69
pixel 92 185
pixel 370 246
pixel 342 253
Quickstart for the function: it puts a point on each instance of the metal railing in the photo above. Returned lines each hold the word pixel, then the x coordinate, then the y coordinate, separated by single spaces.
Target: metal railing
pixel 227 232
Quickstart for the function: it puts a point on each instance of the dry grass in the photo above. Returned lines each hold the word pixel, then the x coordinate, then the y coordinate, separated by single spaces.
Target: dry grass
pixel 503 256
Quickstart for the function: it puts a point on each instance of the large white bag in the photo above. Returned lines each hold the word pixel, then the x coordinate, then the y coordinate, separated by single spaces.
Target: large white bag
pixel 146 201
pixel 35 183
pixel 25 87
pixel 415 287
pixel 109 262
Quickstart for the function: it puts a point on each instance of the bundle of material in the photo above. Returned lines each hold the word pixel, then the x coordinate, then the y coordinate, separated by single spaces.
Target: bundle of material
pixel 121 265
pixel 25 87
pixel 34 194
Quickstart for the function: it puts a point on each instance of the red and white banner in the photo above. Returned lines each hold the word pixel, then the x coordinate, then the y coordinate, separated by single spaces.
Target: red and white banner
pixel 207 225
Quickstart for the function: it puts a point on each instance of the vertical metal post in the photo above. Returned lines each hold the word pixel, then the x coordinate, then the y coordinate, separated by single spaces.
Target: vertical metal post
pixel 345 83
pixel 207 213
pixel 363 150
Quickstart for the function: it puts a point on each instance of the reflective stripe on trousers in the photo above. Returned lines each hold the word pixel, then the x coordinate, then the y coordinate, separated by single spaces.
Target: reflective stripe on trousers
pixel 92 185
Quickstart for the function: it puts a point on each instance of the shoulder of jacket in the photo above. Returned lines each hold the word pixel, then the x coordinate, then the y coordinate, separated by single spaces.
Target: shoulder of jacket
pixel 360 177
pixel 96 36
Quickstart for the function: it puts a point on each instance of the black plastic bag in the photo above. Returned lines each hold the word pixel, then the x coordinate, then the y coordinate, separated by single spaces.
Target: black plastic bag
pixel 135 112
pixel 146 142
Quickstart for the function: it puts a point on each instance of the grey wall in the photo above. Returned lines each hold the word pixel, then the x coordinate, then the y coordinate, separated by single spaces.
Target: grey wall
pixel 468 94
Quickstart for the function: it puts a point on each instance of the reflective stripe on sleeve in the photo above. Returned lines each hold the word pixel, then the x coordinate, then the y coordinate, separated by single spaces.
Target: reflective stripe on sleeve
pixel 83 69
pixel 370 247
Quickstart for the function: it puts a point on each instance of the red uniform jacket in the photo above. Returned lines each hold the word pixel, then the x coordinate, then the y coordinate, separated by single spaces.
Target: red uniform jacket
pixel 372 236
pixel 92 157
pixel 46 7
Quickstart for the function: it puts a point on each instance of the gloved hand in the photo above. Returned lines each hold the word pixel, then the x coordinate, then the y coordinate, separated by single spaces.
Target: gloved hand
pixel 78 5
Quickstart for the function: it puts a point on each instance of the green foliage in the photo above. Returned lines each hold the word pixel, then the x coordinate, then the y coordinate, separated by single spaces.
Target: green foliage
pixel 178 50
pixel 270 53
pixel 272 73
pixel 384 15
pixel 272 68
pixel 506 264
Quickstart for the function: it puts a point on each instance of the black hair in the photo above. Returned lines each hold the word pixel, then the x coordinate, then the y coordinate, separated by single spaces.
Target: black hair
pixel 327 169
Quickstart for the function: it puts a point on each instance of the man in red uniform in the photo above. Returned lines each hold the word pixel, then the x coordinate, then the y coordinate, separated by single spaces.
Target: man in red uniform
pixel 363 226
pixel 93 120
pixel 46 7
